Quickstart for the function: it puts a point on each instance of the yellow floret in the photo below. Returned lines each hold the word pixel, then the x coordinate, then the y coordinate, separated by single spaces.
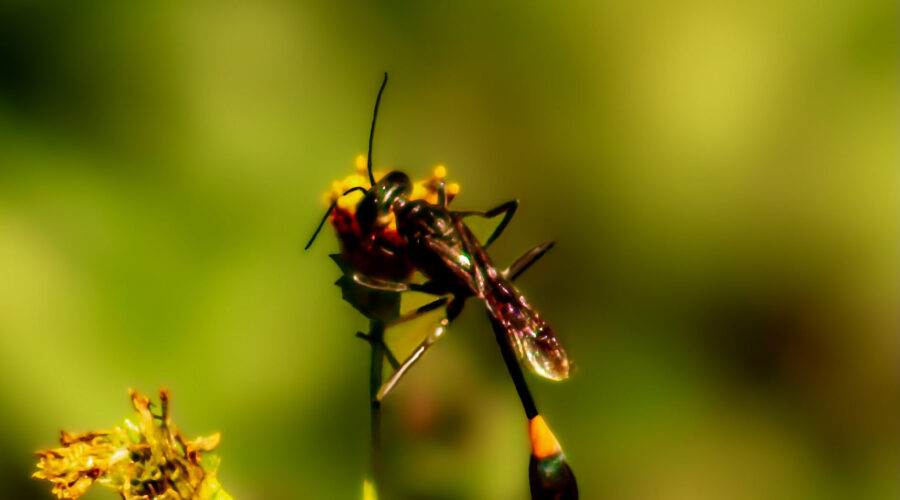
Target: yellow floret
pixel 348 203
pixel 361 163
pixel 421 190
pixel 352 181
pixel 369 492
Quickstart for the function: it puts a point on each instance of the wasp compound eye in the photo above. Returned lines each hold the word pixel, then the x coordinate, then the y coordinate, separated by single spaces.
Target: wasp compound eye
pixel 396 177
pixel 367 211
pixel 393 185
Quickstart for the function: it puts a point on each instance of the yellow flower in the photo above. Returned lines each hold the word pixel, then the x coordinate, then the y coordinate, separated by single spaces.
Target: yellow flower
pixel 426 189
pixel 144 459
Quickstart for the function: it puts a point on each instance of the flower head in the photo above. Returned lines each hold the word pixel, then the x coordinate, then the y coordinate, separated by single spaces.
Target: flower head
pixel 367 252
pixel 146 458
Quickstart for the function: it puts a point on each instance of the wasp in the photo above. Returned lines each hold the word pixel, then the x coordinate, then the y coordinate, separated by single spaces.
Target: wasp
pixel 401 233
pixel 390 230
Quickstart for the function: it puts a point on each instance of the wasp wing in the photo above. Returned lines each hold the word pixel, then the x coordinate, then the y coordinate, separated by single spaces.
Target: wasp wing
pixel 532 340
pixel 456 264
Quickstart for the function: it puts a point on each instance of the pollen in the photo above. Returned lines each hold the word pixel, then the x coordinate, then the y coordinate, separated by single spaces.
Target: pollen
pixel 440 171
pixel 453 188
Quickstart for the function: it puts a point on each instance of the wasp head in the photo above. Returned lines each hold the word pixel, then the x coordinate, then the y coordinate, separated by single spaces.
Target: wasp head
pixel 365 219
pixel 376 210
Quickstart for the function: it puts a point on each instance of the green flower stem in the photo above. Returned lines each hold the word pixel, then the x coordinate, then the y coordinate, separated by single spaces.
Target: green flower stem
pixel 376 340
pixel 382 308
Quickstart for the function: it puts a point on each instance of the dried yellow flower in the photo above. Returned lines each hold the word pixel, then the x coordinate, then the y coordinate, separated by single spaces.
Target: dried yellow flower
pixel 146 458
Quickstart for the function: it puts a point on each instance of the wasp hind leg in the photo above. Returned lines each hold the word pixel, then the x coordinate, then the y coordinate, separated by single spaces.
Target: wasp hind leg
pixel 387 352
pixel 453 310
pixel 427 308
pixel 526 260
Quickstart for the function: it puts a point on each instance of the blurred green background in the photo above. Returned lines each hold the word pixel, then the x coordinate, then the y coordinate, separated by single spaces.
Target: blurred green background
pixel 721 179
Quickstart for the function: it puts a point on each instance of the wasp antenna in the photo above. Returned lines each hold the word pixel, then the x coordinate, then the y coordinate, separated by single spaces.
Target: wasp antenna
pixel 372 130
pixel 328 212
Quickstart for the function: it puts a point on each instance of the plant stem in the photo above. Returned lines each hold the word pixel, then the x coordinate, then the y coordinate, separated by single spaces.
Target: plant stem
pixel 376 339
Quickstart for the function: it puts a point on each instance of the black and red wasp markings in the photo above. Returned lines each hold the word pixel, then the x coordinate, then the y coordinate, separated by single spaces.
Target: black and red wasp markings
pixel 435 241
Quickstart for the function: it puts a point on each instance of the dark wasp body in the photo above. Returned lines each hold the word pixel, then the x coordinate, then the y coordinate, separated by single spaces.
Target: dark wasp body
pixel 439 245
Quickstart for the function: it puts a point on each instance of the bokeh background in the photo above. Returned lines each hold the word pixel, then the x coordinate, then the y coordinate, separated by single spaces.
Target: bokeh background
pixel 721 179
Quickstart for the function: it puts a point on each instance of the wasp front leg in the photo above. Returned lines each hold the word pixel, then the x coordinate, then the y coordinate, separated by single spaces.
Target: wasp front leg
pixel 396 286
pixel 419 311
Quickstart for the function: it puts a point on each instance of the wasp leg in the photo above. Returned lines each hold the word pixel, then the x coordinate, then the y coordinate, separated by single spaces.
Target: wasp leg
pixel 508 209
pixel 428 287
pixel 379 284
pixel 526 260
pixel 427 308
pixel 387 351
pixel 453 310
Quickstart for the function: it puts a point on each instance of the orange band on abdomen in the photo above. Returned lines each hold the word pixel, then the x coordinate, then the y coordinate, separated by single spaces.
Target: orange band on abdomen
pixel 543 442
